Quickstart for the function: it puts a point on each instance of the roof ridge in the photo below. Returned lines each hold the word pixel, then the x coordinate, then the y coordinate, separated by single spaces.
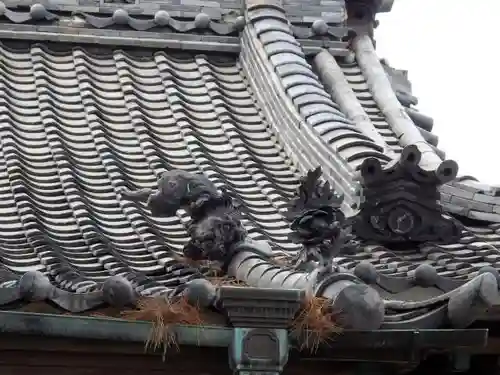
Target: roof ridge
pixel 321 119
pixel 465 195
pixel 396 117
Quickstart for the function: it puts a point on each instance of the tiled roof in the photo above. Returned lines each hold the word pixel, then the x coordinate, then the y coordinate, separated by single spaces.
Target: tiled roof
pixel 477 249
pixel 78 126
pixel 80 122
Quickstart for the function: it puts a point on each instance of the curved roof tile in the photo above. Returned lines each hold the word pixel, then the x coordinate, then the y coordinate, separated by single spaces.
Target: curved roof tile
pixel 81 123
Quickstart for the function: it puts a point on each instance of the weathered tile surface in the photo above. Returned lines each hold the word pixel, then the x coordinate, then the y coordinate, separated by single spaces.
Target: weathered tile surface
pixel 359 86
pixel 77 127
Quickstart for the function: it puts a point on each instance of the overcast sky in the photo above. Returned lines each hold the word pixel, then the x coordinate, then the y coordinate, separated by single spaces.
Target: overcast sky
pixel 451 49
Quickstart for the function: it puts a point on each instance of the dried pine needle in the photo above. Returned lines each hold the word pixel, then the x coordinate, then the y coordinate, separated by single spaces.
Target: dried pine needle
pixel 225 280
pixel 163 314
pixel 315 323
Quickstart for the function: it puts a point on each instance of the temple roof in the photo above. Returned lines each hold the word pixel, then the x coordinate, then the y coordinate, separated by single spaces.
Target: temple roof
pixel 277 94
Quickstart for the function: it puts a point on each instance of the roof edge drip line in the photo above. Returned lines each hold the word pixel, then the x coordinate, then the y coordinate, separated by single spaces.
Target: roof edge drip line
pixel 395 114
pixel 98 328
pixel 109 329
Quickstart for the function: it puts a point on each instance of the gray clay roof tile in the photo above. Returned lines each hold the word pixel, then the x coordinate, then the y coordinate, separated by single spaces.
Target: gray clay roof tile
pixel 78 126
pixel 80 123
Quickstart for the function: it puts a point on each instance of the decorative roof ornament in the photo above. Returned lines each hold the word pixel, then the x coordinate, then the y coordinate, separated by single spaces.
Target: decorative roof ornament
pixel 215 227
pixel 217 234
pixel 317 222
pixel 37 12
pixel 401 203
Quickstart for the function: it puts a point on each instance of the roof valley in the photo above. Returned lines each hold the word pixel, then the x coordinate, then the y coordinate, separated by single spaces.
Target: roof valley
pixel 337 79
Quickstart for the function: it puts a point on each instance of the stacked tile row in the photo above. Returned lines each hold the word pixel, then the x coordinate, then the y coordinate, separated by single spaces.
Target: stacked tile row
pixel 477 248
pixel 76 127
pixel 331 11
pixel 176 8
pixel 321 122
pixel 358 85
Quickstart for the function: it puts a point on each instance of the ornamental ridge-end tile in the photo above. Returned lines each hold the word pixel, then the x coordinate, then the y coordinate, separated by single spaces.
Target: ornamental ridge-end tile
pixel 318 223
pixel 401 202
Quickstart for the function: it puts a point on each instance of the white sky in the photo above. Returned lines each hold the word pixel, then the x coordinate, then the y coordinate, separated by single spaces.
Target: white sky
pixel 451 49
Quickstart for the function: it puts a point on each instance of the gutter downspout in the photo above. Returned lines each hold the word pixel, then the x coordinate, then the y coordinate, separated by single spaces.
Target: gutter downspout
pixel 261 319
